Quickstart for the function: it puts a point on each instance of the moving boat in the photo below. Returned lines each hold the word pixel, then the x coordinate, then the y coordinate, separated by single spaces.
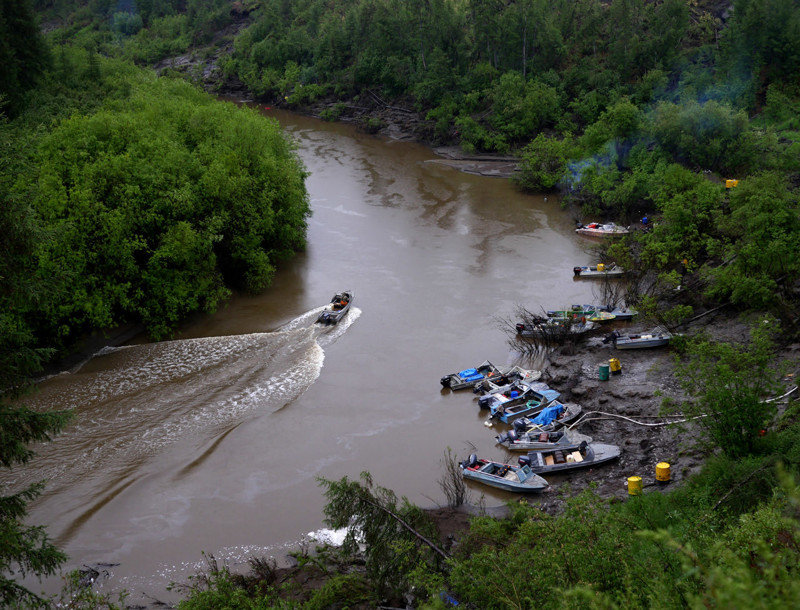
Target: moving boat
pixel 503 476
pixel 469 377
pixel 337 308
pixel 559 460
pixel 598 271
pixel 655 338
pixel 597 229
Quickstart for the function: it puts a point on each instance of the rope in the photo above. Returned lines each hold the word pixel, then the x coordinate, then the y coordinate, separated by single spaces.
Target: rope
pixel 605 415
pixel 792 391
pixel 584 419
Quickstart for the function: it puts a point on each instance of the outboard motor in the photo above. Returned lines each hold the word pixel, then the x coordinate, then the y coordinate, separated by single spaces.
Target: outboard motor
pixel 519 426
pixel 524 460
pixel 509 436
pixel 520 327
pixel 445 381
pixel 611 337
pixel 484 402
pixel 576 271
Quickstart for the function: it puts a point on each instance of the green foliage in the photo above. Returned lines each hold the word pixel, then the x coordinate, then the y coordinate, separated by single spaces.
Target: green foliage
pixel 126 24
pixel 220 591
pixel 686 230
pixel 166 36
pixel 712 135
pixel 763 39
pixel 475 136
pixel 24 56
pixel 726 386
pixel 522 108
pixel 543 163
pixel 157 202
pixel 760 245
pixel 24 549
pixel 391 534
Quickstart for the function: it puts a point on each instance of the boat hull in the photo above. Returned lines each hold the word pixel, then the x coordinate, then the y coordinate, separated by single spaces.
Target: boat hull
pixel 590 273
pixel 594 454
pixel 469 378
pixel 336 309
pixel 519 479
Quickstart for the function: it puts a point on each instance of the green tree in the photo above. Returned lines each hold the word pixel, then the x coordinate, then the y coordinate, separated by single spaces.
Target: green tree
pixel 393 534
pixel 159 205
pixel 712 135
pixel 759 249
pixel 543 162
pixel 726 386
pixel 24 548
pixel 24 56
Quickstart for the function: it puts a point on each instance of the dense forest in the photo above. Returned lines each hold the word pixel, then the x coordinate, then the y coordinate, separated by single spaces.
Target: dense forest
pixel 131 197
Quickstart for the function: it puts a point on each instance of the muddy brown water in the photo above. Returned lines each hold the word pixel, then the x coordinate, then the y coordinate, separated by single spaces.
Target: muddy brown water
pixel 213 442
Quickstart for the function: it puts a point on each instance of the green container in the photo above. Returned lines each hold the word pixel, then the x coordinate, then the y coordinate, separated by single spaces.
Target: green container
pixel 604 372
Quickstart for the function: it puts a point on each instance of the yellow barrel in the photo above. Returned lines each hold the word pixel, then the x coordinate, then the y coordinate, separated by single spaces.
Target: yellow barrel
pixel 662 472
pixel 634 486
pixel 601 267
pixel 615 366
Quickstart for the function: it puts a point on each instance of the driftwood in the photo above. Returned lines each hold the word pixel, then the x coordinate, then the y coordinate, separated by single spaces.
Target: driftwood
pixel 402 522
pixel 378 99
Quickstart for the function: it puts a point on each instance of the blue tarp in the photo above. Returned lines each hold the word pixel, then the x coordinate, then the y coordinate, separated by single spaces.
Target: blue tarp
pixel 549 414
pixel 470 375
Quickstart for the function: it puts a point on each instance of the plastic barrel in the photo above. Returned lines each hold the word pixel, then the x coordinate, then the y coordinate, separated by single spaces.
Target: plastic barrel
pixel 615 366
pixel 603 372
pixel 634 486
pixel 662 472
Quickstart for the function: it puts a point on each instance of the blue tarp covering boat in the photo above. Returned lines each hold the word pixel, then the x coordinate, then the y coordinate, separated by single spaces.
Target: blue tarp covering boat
pixel 548 414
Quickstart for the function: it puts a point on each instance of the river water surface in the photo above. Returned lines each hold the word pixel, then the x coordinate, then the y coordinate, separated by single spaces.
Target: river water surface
pixel 212 442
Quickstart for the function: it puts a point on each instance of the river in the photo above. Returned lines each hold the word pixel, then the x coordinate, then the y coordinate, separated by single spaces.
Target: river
pixel 213 442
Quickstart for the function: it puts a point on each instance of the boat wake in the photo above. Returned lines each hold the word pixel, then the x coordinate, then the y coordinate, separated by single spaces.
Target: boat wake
pixel 133 402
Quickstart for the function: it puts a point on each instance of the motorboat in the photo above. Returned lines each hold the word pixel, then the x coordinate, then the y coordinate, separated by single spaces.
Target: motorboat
pixel 337 308
pixel 502 476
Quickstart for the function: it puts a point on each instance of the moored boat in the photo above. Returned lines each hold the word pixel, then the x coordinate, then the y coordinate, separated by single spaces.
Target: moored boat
pixel 535 440
pixel 536 397
pixel 620 313
pixel 502 476
pixel 602 316
pixel 498 384
pixel 598 271
pixel 555 416
pixel 655 338
pixel 469 377
pixel 560 460
pixel 597 229
pixel 337 308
